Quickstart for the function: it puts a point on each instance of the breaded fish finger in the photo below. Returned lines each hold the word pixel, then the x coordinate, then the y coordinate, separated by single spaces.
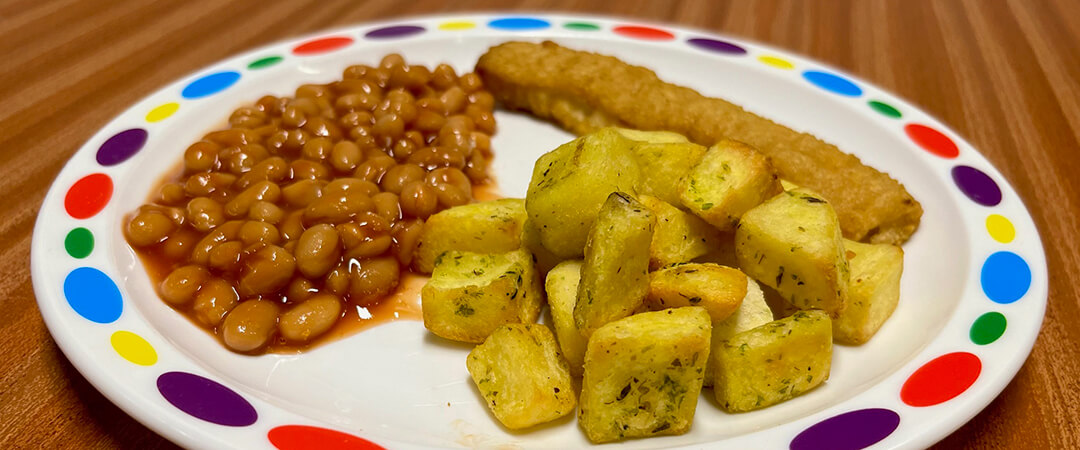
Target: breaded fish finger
pixel 584 91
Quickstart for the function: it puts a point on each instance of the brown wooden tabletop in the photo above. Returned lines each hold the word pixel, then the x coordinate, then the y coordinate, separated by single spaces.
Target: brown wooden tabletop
pixel 1004 74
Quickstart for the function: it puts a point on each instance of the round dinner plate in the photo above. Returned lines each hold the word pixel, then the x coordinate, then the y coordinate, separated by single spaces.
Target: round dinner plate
pixel 973 292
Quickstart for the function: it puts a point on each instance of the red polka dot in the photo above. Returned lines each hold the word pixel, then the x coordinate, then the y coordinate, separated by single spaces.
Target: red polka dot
pixel 641 32
pixel 941 379
pixel 88 196
pixel 932 140
pixel 322 45
pixel 303 437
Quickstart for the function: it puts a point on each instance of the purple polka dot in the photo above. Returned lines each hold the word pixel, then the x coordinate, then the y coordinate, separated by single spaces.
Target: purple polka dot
pixel 121 146
pixel 976 185
pixel 848 431
pixel 714 45
pixel 206 399
pixel 394 31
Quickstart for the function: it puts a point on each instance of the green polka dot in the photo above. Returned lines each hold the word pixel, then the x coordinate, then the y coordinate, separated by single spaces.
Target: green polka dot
pixel 79 243
pixel 582 26
pixel 264 62
pixel 885 109
pixel 988 328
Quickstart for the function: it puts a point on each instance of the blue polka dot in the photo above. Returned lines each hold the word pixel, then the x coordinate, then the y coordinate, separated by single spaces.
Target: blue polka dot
pixel 210 84
pixel 1005 277
pixel 519 23
pixel 832 83
pixel 93 295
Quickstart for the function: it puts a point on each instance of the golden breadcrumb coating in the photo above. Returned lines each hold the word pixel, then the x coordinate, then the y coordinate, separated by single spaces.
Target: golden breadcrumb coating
pixel 584 91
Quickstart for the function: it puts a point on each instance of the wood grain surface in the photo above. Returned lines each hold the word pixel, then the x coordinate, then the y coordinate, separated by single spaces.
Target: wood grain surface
pixel 1004 74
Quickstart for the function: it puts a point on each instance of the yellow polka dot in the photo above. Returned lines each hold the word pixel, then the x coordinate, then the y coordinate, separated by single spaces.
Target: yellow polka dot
pixel 134 348
pixel 457 26
pixel 779 63
pixel 162 112
pixel 1000 228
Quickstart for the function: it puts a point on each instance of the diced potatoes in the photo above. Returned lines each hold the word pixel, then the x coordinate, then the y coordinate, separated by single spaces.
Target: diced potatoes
pixel 643 374
pixel 530 240
pixel 873 290
pixel 664 165
pixel 753 312
pixel 718 289
pixel 680 236
pixel 772 363
pixel 469 294
pixel 562 288
pixel 731 178
pixel 570 183
pixel 522 376
pixel 792 243
pixel 614 276
pixel 486 227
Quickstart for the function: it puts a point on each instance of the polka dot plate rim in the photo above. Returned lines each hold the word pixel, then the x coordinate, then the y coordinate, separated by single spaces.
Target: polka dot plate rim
pixel 994 289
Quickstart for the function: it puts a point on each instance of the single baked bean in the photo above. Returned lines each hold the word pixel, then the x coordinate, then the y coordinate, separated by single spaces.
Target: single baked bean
pixel 265 211
pixel 270 169
pixel 374 168
pixel 234 137
pixel 431 104
pixel 356 72
pixel 418 200
pixel 317 251
pixel 403 148
pixel 386 206
pixel 247 118
pixel 432 158
pixel 483 99
pixel 371 279
pixel 476 169
pixel 345 156
pixel 355 119
pixel 225 257
pixel 450 195
pixel 391 61
pixel 272 106
pixel 266 271
pixel 362 132
pixel 471 82
pixel 263 190
pixel 453 100
pixel 200 252
pixel 398 176
pixel 299 289
pixel 319 126
pixel 173 213
pixel 148 228
pixel 204 214
pixel 292 226
pixel 337 208
pixel 304 169
pixel 295 140
pixel 388 127
pixel 449 175
pixel 481 142
pixel 444 77
pixel 254 231
pixel 177 247
pixel 317 149
pixel 483 119
pixel 370 247
pixel 250 325
pixel 406 237
pixel 303 192
pixel 214 300
pixel 180 286
pixel 307 105
pixel 372 223
pixel 428 121
pixel 312 91
pixel 172 194
pixel 311 318
pixel 403 76
pixel 293 117
pixel 201 156
pixel 346 185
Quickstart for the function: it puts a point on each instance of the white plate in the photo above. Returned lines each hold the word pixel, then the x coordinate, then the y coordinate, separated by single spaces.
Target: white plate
pixel 973 293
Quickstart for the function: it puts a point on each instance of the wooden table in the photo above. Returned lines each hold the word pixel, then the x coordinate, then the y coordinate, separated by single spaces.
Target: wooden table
pixel 1004 74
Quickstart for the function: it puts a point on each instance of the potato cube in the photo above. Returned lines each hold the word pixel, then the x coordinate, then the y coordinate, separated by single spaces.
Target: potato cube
pixel 731 178
pixel 680 236
pixel 530 240
pixel 571 182
pixel 615 273
pixel 664 165
pixel 469 294
pixel 792 243
pixel 873 290
pixel 655 137
pixel 522 376
pixel 643 374
pixel 718 289
pixel 486 227
pixel 753 312
pixel 562 288
pixel 774 362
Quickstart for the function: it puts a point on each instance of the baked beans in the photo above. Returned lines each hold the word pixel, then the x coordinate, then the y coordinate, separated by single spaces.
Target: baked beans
pixel 306 204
